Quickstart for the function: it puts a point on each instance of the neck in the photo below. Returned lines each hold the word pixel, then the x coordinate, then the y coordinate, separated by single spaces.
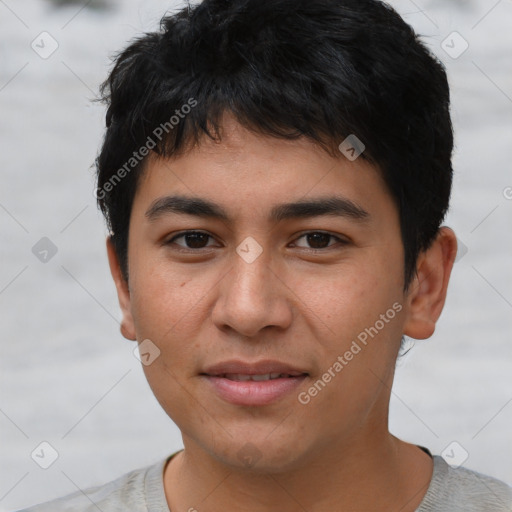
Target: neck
pixel 371 473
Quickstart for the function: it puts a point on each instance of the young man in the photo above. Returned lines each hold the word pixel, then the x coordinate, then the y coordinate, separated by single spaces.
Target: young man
pixel 274 175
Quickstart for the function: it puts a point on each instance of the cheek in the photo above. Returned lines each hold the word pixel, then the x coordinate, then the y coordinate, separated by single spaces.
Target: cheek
pixel 166 310
pixel 356 314
pixel 344 302
pixel 162 297
pixel 172 308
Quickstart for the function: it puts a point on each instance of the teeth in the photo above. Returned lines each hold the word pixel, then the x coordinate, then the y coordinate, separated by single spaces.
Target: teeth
pixel 265 376
pixel 238 376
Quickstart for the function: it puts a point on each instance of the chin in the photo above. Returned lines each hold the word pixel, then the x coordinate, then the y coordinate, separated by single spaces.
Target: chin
pixel 261 454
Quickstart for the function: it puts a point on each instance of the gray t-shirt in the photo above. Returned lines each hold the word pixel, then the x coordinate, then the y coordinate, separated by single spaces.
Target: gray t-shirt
pixel 142 490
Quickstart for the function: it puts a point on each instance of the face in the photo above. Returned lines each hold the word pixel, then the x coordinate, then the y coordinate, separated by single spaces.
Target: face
pixel 254 258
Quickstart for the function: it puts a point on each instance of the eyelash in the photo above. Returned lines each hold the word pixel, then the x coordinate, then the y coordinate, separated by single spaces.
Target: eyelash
pixel 171 241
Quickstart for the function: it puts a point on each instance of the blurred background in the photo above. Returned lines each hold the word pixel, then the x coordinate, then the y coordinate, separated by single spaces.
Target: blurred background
pixel 68 377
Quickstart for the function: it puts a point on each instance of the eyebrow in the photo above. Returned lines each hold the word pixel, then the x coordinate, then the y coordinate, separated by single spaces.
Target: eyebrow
pixel 333 206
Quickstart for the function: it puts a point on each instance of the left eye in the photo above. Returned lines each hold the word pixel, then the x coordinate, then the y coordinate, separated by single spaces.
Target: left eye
pixel 193 239
pixel 318 240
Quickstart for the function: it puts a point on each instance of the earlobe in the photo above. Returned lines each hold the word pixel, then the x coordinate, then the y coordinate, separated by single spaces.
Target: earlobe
pixel 123 292
pixel 427 292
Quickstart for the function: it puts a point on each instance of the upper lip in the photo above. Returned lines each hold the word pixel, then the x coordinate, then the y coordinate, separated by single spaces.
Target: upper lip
pixel 252 368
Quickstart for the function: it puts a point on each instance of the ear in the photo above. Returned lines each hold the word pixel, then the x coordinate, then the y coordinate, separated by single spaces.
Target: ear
pixel 427 291
pixel 123 292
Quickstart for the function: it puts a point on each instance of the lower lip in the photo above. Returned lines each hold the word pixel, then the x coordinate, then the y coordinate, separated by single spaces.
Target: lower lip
pixel 252 392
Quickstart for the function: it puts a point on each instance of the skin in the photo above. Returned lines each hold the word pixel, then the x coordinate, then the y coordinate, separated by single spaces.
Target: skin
pixel 291 304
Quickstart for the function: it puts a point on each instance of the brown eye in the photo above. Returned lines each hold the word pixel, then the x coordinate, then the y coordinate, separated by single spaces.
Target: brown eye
pixel 318 240
pixel 192 239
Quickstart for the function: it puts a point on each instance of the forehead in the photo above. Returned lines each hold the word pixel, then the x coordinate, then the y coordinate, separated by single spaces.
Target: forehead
pixel 244 170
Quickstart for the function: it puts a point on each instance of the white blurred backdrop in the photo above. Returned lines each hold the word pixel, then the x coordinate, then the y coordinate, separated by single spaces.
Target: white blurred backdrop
pixel 69 378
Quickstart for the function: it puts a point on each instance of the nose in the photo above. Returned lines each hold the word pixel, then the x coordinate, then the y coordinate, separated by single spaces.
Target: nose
pixel 251 298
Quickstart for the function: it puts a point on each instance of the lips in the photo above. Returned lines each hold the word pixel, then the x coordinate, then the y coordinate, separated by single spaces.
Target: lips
pixel 234 367
pixel 253 384
pixel 256 377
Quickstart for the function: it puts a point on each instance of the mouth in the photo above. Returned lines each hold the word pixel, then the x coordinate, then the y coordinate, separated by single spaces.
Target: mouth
pixel 244 377
pixel 253 384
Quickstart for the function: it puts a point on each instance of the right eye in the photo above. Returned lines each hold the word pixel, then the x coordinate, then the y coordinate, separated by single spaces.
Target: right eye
pixel 193 240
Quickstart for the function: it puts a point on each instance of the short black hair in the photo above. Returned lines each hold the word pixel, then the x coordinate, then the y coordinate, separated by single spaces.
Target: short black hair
pixel 321 69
